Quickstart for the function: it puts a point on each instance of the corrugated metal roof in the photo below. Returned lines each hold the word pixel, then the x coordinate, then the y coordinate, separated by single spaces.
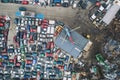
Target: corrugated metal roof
pixel 111 14
pixel 73 49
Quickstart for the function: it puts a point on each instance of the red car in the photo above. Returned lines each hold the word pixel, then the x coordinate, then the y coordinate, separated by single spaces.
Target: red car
pixel 25 2
pixel 2 20
pixel 44 25
pixel 25 35
pixel 58 51
pixel 49 55
pixel 15 41
pixel 6 32
pixel 50 45
pixel 15 59
pixel 4 51
pixel 60 67
pixel 11 60
pixel 28 61
pixel 3 17
pixel 1 24
pixel 44 21
pixel 0 63
pixel 39 22
pixel 33 79
pixel 33 29
pixel 31 39
pixel 18 64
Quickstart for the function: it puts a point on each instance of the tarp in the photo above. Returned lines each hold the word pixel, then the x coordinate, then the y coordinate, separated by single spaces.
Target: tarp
pixel 18 14
pixel 40 16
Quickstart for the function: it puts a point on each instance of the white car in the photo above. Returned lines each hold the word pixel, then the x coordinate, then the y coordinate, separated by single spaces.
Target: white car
pixel 2 38
pixel 19 58
pixel 52 22
pixel 45 75
pixel 49 62
pixel 101 8
pixel 26 22
pixel 25 42
pixel 10 46
pixel 74 5
pixel 22 22
pixel 33 22
pixel 22 28
pixel 17 28
pixel 93 17
pixel 38 29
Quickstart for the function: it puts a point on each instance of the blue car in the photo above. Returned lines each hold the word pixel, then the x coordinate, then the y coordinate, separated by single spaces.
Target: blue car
pixel 5 57
pixel 65 67
pixel 34 61
pixel 10 50
pixel 0 56
pixel 4 63
pixel 27 75
pixel 47 50
pixel 34 54
pixel 66 58
pixel 28 28
pixel 59 62
pixel 48 68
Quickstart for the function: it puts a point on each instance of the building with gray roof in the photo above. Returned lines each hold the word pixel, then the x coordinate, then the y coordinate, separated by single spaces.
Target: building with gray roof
pixel 110 15
pixel 75 49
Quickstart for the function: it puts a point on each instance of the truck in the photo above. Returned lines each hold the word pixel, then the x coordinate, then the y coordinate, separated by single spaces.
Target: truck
pixel 101 60
pixel 25 14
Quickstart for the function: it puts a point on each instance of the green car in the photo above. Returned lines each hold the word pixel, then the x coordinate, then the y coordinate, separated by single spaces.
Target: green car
pixel 34 73
pixel 22 9
pixel 100 58
pixel 23 64
pixel 42 54
pixel 5 1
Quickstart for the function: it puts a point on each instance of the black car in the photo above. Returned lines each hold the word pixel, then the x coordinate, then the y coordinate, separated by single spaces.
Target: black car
pixel 21 35
pixel 33 47
pixel 9 68
pixel 35 36
pixel 39 48
pixel 65 4
pixel 1 76
pixel 49 58
pixel 15 78
pixel 16 67
pixel 18 2
pixel 7 76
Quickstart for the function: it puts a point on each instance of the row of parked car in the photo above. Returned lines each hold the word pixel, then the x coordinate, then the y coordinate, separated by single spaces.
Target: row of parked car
pixel 4 28
pixel 64 3
pixel 35 51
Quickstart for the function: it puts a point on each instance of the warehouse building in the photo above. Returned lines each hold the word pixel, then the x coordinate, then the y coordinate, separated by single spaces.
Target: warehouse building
pixel 80 44
pixel 110 15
